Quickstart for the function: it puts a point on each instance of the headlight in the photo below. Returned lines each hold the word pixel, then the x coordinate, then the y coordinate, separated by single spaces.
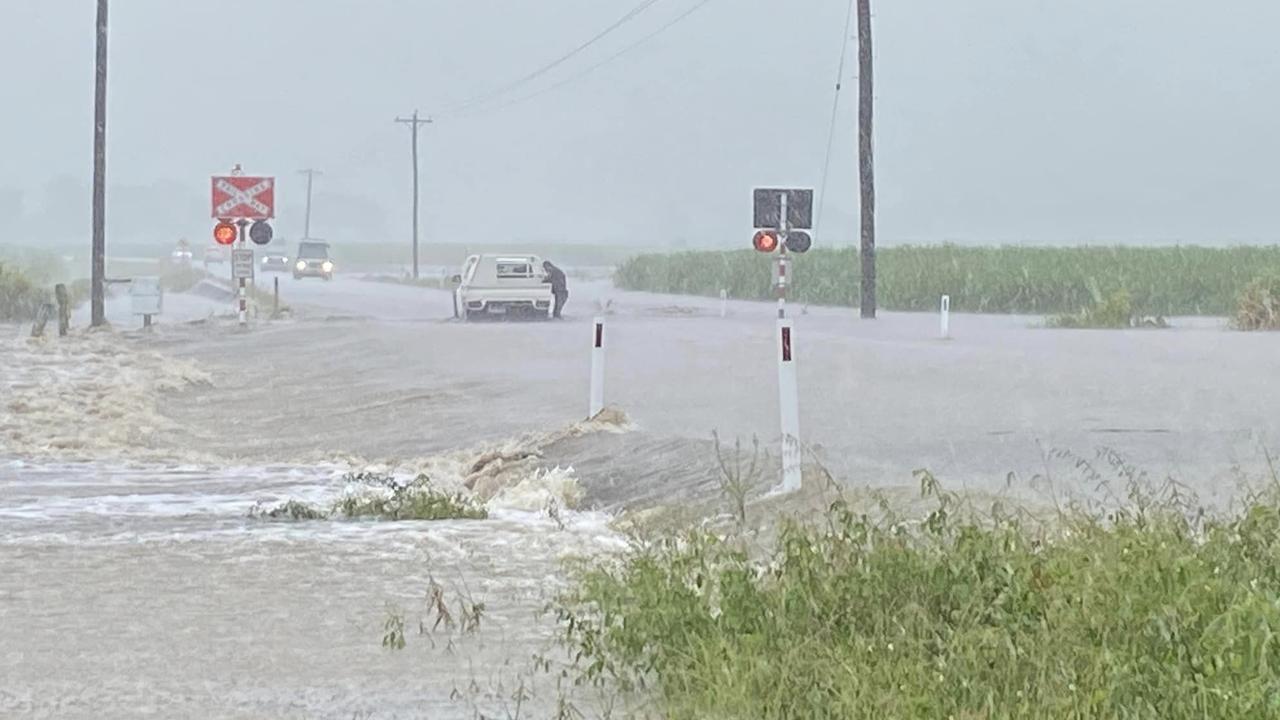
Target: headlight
pixel 301 265
pixel 327 266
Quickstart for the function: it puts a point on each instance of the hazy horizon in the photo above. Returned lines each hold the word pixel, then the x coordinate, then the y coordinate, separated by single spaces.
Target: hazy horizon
pixel 998 121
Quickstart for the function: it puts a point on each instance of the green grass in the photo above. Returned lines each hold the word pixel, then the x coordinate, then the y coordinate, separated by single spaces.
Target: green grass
pixel 1146 612
pixel 1160 281
pixel 1112 312
pixel 1258 307
pixel 381 497
pixel 20 297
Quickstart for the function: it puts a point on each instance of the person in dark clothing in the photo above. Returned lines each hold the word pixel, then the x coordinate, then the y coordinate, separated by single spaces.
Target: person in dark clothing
pixel 559 286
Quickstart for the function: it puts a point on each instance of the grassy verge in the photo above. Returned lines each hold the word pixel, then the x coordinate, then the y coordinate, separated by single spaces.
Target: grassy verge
pixel 1112 312
pixel 1149 611
pixel 20 298
pixel 1160 281
pixel 381 497
pixel 1258 307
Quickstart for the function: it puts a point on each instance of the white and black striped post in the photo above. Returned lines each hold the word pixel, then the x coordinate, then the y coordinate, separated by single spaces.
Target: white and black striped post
pixel 789 406
pixel 597 366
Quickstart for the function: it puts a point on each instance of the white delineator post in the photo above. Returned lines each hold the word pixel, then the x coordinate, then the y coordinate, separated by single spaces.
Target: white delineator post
pixel 724 303
pixel 597 366
pixel 789 405
pixel 946 317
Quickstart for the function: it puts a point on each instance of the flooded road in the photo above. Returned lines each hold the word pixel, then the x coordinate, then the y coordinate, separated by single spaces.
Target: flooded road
pixel 133 581
pixel 142 591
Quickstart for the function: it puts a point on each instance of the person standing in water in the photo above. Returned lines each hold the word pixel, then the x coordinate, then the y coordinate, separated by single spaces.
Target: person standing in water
pixel 559 286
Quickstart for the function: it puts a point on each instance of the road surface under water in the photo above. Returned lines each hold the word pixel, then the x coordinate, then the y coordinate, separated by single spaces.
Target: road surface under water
pixel 133 582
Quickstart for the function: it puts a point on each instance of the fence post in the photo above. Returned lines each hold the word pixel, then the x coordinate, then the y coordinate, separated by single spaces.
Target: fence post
pixel 64 309
pixel 42 318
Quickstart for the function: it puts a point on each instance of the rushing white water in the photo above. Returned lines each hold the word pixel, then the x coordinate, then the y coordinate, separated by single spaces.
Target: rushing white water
pixel 133 580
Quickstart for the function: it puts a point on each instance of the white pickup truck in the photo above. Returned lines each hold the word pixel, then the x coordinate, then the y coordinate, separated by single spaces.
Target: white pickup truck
pixel 502 285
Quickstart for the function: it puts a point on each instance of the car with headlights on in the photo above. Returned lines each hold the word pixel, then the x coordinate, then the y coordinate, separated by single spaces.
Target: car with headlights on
pixel 313 260
pixel 275 262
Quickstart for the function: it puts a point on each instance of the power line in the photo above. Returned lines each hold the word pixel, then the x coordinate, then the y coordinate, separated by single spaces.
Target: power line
pixel 835 107
pixel 516 84
pixel 591 68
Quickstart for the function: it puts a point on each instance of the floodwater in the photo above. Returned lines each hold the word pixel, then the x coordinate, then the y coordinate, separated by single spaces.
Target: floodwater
pixel 133 581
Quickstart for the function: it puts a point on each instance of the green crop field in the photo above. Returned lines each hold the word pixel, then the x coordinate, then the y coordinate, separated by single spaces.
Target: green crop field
pixel 1181 280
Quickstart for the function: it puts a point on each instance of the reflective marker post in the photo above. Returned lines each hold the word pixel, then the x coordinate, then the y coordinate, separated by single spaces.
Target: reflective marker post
pixel 946 317
pixel 789 405
pixel 597 366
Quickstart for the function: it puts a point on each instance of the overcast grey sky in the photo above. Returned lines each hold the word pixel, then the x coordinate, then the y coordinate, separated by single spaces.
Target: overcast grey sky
pixel 998 120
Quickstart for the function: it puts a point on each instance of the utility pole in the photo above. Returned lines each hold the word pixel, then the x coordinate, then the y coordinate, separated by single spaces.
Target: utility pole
pixel 98 315
pixel 306 223
pixel 866 162
pixel 413 123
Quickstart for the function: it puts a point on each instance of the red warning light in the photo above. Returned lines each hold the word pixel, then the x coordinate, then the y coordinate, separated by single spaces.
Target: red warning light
pixel 765 241
pixel 224 233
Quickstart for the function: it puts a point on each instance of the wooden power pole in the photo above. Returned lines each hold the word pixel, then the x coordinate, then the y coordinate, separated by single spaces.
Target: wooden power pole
pixel 866 161
pixel 306 222
pixel 98 315
pixel 413 123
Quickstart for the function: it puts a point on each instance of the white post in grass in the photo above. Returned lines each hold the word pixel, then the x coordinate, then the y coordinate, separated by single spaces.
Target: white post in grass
pixel 597 366
pixel 789 404
pixel 946 317
pixel 724 303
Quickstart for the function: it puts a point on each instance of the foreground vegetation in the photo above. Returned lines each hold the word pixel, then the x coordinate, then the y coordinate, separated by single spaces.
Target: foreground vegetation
pixel 1147 612
pixel 1160 281
pixel 381 497
pixel 1258 307
pixel 20 298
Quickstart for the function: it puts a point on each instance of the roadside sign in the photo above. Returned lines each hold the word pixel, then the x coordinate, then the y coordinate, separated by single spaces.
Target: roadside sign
pixel 768 208
pixel 242 264
pixel 260 232
pixel 243 197
pixel 145 296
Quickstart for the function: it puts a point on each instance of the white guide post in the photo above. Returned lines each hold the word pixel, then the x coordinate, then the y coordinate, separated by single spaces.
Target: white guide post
pixel 789 404
pixel 597 366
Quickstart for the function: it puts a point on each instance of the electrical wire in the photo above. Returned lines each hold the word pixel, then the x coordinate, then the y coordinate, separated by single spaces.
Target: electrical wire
pixel 591 68
pixel 524 80
pixel 835 108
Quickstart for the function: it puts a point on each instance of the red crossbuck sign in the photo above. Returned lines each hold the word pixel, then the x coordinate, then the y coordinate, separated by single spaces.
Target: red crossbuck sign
pixel 243 196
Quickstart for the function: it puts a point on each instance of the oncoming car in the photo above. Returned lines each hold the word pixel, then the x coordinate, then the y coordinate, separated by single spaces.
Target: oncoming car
pixel 503 285
pixel 313 260
pixel 275 262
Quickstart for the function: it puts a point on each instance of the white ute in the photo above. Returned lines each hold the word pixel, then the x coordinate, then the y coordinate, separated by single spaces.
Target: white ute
pixel 503 285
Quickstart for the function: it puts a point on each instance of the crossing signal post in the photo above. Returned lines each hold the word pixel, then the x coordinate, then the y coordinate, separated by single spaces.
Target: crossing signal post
pixel 242 205
pixel 782 217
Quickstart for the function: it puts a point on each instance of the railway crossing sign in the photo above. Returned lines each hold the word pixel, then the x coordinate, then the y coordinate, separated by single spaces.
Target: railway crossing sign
pixel 768 208
pixel 245 197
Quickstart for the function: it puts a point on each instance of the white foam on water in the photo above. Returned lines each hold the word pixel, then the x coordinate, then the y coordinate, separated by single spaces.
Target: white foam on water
pixel 91 395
